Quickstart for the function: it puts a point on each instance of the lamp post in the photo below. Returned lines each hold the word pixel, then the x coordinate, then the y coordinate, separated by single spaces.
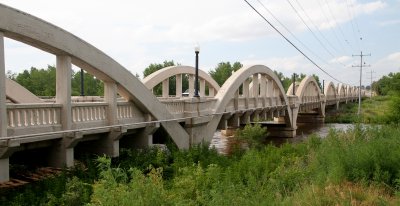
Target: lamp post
pixel 82 89
pixel 196 80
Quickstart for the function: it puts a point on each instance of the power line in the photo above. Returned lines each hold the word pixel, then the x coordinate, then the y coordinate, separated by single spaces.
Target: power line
pixel 333 30
pixel 339 27
pixel 312 32
pixel 288 30
pixel 316 27
pixel 351 16
pixel 266 20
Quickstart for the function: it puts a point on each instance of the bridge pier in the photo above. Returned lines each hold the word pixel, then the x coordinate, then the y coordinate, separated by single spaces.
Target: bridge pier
pixel 62 152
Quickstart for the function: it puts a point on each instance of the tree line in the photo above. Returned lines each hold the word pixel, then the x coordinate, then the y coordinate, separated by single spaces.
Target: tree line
pixel 42 82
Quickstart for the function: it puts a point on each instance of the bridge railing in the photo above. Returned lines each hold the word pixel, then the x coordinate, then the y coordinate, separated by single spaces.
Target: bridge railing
pixel 33 118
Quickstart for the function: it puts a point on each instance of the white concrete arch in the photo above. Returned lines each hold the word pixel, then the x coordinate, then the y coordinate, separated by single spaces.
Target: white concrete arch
pixel 308 88
pixel 341 91
pixel 231 86
pixel 163 74
pixel 349 90
pixel 19 94
pixel 330 91
pixel 69 49
pixel 290 89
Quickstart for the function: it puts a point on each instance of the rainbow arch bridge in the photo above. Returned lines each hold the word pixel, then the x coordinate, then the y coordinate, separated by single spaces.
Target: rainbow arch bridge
pixel 128 114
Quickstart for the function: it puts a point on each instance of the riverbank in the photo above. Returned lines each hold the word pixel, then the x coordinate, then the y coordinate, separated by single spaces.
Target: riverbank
pixel 360 166
pixel 373 110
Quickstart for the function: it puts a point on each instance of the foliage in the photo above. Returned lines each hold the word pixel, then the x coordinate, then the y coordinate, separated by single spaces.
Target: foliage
pixel 287 81
pixel 42 82
pixel 157 90
pixel 223 71
pixel 253 135
pixel 387 84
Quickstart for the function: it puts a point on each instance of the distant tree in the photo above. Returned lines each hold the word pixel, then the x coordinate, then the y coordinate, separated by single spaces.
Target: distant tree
pixel 91 85
pixel 157 90
pixel 285 81
pixel 317 80
pixel 223 71
pixel 42 82
pixel 387 84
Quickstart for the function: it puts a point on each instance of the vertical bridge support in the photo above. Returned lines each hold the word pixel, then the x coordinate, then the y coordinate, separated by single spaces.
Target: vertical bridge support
pixel 4 161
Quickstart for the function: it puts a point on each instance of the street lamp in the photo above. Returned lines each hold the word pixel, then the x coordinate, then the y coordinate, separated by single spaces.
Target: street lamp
pixel 196 80
pixel 82 79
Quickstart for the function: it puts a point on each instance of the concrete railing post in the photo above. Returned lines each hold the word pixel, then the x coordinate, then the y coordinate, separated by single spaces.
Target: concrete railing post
pixel 4 162
pixel 165 88
pixel 202 87
pixel 178 79
pixel 191 85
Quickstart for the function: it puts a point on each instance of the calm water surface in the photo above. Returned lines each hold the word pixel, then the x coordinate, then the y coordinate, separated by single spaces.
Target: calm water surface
pixel 223 143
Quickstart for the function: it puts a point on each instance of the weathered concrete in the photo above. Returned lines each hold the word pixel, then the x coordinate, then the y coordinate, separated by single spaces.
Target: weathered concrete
pixel 4 162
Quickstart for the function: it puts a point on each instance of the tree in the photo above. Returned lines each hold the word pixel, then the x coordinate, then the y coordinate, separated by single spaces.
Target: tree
pixel 157 90
pixel 317 80
pixel 42 82
pixel 223 71
pixel 91 85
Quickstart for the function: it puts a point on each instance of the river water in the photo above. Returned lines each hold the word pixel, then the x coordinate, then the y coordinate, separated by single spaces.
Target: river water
pixel 223 143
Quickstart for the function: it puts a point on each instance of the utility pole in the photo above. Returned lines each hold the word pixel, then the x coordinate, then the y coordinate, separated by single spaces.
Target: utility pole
pixel 361 66
pixel 370 87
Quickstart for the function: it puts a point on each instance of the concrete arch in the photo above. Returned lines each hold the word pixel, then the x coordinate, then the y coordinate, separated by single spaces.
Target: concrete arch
pixel 31 30
pixel 18 94
pixel 308 86
pixel 231 86
pixel 330 91
pixel 290 89
pixel 341 91
pixel 159 76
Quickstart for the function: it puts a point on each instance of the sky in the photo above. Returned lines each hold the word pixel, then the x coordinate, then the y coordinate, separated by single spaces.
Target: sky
pixel 138 33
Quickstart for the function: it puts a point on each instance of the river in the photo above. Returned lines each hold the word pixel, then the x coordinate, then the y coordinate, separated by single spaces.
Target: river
pixel 223 143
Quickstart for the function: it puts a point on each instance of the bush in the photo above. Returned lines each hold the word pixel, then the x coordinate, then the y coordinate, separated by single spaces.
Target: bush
pixel 253 135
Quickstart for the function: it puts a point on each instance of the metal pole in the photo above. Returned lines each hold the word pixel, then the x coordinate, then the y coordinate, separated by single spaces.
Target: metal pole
pixel 196 80
pixel 359 89
pixel 294 83
pixel 82 79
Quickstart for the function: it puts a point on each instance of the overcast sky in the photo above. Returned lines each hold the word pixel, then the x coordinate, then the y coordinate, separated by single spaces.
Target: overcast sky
pixel 138 33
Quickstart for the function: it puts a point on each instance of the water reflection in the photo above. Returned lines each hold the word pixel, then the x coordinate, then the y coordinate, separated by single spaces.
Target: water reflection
pixel 224 144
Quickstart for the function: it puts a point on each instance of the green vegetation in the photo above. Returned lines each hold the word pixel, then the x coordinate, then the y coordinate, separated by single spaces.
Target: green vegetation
pixel 377 110
pixel 223 71
pixel 42 82
pixel 360 166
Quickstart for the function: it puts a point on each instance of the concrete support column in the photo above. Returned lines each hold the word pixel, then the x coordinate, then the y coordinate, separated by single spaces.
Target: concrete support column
pixel 255 91
pixel 263 89
pixel 4 162
pixel 178 84
pixel 269 93
pixel 246 84
pixel 211 91
pixel 63 151
pixel 202 87
pixel 191 85
pixel 109 144
pixel 165 88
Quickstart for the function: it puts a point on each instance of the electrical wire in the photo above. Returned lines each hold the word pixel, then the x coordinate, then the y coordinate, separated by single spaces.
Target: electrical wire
pixel 288 30
pixel 266 20
pixel 334 20
pixel 312 32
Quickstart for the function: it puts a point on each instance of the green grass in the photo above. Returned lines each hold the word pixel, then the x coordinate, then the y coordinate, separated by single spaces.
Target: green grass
pixel 357 167
pixel 375 110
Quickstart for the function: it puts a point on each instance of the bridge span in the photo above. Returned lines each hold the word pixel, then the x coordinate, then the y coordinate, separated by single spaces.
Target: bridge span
pixel 129 113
